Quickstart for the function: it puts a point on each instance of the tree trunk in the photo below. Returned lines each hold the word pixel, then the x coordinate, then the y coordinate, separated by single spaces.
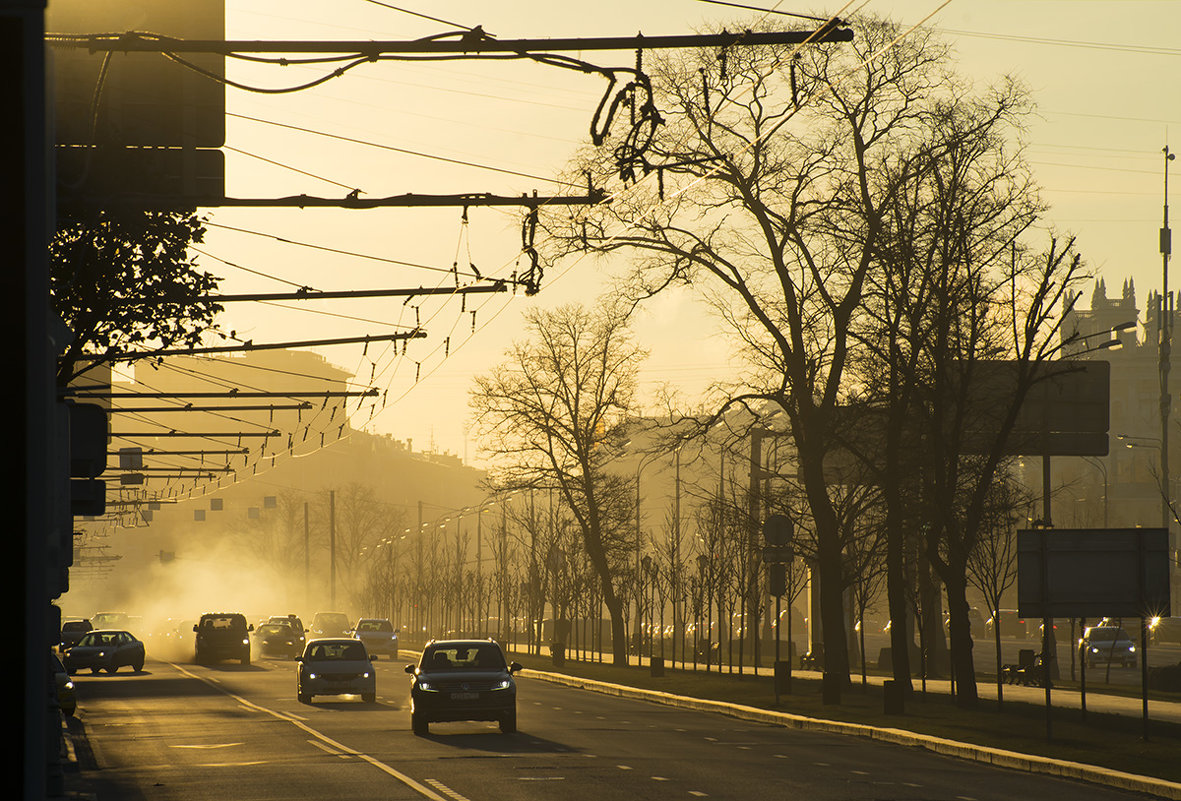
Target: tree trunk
pixel 963 667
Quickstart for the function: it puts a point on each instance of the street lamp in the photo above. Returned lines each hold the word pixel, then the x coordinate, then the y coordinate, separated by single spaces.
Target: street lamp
pixel 644 462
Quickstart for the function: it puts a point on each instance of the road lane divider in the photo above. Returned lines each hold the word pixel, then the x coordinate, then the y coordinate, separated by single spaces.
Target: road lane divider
pixel 999 757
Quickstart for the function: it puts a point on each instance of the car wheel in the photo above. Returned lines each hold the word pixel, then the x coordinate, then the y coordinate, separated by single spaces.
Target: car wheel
pixel 138 667
pixel 419 724
pixel 304 698
pixel 369 698
pixel 111 669
pixel 508 723
pixel 94 671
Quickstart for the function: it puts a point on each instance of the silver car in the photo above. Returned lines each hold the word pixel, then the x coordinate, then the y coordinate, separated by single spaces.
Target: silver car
pixel 1101 645
pixel 335 666
pixel 378 634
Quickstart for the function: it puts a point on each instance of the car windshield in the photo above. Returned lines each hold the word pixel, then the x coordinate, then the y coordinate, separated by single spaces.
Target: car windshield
pixel 223 622
pixel 336 652
pixel 332 621
pixel 477 656
pixel 375 625
pixel 79 625
pixel 1108 634
pixel 100 638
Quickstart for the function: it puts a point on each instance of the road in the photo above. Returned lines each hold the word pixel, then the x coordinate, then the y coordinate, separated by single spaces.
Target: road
pixel 180 732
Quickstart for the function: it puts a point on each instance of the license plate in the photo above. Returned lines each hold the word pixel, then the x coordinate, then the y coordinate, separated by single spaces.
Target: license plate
pixel 464 696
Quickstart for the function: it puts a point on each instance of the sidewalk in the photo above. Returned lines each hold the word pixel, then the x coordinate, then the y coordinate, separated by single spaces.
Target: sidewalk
pixel 1098 701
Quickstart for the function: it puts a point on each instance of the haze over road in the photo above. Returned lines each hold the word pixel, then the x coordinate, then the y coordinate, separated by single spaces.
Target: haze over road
pixel 180 732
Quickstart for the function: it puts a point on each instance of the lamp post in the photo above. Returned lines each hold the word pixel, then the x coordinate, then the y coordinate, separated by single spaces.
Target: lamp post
pixel 646 567
pixel 644 462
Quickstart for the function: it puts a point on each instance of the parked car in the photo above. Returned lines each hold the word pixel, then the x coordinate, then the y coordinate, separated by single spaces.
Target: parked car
pixel 64 686
pixel 110 620
pixel 378 634
pixel 222 635
pixel 72 631
pixel 278 639
pixel 335 666
pixel 330 624
pixel 105 649
pixel 1101 645
pixel 1011 624
pixel 462 680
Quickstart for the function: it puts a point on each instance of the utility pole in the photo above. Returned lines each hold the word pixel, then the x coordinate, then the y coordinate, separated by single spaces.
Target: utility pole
pixel 332 549
pixel 1166 400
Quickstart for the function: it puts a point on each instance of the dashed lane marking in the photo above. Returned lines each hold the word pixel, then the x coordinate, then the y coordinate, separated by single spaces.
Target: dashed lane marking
pixel 416 786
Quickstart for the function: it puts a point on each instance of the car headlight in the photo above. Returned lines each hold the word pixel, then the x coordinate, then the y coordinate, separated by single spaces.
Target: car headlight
pixel 102 654
pixel 1132 649
pixel 69 685
pixel 425 685
pixel 503 684
pixel 1094 650
pixel 365 675
pixel 311 675
pixel 246 642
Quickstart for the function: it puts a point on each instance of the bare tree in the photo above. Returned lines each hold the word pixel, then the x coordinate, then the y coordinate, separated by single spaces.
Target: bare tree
pixel 554 414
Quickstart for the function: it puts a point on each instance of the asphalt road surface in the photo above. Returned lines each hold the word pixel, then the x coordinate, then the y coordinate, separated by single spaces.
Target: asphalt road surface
pixel 181 732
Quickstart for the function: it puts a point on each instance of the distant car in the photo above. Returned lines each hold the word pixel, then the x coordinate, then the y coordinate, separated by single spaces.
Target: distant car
pixel 330 624
pixel 105 649
pixel 1164 630
pixel 462 680
pixel 290 620
pixel 64 687
pixel 335 666
pixel 1101 645
pixel 378 634
pixel 72 631
pixel 110 620
pixel 278 639
pixel 222 635
pixel 1011 624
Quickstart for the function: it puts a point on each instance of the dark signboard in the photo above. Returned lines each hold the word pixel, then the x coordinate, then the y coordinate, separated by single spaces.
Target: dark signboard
pixel 1063 573
pixel 137 122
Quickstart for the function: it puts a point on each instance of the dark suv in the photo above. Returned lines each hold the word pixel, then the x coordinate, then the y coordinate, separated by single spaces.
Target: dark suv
pixel 462 680
pixel 223 635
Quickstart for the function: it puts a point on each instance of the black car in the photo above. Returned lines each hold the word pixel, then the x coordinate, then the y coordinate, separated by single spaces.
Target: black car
pixel 222 635
pixel 462 680
pixel 106 649
pixel 278 639
pixel 72 631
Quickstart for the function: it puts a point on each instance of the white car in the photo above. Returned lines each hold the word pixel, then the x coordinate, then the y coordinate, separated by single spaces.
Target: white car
pixel 335 666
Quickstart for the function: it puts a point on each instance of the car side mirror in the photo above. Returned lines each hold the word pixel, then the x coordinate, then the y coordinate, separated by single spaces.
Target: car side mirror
pixel 299 659
pixel 514 667
pixel 372 657
pixel 410 669
pixel 195 628
pixel 250 627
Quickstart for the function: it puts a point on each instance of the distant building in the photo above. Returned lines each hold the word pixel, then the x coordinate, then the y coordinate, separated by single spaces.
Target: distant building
pixel 1122 489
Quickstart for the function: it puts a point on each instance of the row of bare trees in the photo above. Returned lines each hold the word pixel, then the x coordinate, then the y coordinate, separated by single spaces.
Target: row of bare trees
pixel 864 222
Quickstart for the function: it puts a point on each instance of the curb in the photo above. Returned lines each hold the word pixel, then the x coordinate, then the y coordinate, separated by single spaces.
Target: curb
pixel 974 753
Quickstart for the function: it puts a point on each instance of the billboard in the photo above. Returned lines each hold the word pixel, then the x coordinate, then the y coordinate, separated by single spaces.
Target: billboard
pixel 1063 573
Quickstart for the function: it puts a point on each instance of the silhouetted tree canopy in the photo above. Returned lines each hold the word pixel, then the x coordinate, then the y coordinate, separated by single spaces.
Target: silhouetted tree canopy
pixel 103 262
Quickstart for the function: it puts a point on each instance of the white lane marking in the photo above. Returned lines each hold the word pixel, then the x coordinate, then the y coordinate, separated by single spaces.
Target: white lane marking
pixel 326 749
pixel 859 772
pixel 542 778
pixel 624 767
pixel 232 764
pixel 417 787
pixel 659 779
pixel 209 746
pixel 698 793
pixel 445 790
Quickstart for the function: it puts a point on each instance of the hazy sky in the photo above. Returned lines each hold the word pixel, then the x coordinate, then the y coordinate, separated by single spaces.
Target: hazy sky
pixel 1104 74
